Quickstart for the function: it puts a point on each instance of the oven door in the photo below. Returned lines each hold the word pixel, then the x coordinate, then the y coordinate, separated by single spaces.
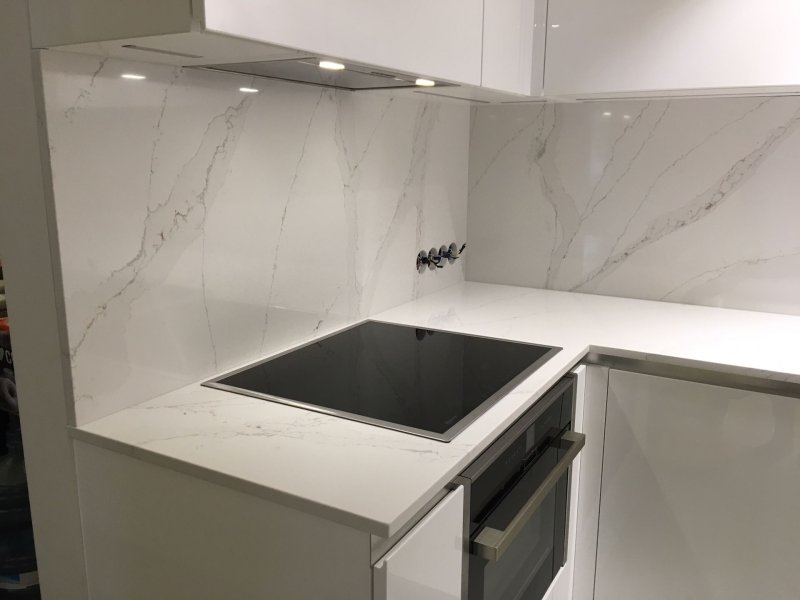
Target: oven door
pixel 521 545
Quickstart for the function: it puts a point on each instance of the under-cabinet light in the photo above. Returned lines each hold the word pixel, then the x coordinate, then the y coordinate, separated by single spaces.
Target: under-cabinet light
pixel 248 90
pixel 330 65
pixel 132 76
pixel 425 82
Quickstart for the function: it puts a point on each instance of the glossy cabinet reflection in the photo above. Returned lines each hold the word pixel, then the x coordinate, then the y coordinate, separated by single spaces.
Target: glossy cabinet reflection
pixel 513 45
pixel 426 564
pixel 439 39
pixel 699 493
pixel 630 48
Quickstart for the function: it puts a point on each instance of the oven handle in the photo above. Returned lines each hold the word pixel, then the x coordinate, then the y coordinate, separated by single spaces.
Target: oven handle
pixel 490 543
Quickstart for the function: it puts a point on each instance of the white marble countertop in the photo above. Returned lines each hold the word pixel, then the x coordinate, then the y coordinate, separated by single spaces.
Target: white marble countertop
pixel 375 479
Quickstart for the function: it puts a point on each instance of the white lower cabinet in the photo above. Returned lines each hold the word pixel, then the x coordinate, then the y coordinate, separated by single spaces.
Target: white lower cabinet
pixel 152 532
pixel 590 418
pixel 427 563
pixel 700 493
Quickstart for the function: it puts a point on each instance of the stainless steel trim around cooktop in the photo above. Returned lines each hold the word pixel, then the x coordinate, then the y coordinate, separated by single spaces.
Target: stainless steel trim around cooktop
pixel 447 436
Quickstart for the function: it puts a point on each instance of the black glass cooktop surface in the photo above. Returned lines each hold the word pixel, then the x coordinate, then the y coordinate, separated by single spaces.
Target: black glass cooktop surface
pixel 429 383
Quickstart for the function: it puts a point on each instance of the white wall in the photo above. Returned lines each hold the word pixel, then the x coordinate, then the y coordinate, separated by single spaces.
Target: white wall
pixel 30 269
pixel 201 227
pixel 690 201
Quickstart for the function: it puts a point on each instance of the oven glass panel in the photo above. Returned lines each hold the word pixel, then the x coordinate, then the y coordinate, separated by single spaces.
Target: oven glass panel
pixel 528 567
pixel 491 488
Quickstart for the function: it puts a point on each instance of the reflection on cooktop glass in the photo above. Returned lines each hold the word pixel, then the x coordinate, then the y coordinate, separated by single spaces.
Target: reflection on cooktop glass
pixel 403 377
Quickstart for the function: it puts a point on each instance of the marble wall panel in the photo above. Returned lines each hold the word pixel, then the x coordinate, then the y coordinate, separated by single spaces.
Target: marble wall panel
pixel 688 200
pixel 201 227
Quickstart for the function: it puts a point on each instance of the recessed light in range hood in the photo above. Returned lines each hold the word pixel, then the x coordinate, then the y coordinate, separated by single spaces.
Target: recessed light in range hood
pixel 308 70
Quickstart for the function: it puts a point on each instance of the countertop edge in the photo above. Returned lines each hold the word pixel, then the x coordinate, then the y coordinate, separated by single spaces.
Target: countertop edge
pixel 709 373
pixel 212 476
pixel 594 355
pixel 658 365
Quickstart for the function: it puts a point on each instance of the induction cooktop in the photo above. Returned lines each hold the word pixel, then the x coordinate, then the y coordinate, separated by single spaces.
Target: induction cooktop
pixel 421 381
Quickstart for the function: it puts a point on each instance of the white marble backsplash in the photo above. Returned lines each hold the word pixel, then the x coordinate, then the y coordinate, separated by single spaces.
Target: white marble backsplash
pixel 201 227
pixel 694 201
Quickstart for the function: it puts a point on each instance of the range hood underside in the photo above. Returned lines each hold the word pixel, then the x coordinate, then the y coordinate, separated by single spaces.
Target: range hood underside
pixel 306 70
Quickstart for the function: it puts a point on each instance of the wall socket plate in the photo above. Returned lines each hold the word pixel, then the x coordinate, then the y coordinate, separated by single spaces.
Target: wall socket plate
pixel 435 258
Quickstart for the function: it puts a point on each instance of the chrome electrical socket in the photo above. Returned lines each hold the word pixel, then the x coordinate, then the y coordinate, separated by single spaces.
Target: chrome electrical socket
pixel 434 259
pixel 422 261
pixel 437 258
pixel 453 252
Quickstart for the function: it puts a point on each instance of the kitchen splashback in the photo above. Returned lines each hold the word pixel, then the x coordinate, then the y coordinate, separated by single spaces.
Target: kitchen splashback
pixel 201 227
pixel 692 201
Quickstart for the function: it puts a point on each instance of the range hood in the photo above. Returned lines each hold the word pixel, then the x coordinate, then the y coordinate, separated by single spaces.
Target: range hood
pixel 306 69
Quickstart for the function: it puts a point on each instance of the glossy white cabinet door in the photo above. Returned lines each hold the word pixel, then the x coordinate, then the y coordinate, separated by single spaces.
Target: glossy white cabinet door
pixel 426 564
pixel 700 493
pixel 634 46
pixel 513 45
pixel 439 38
pixel 592 423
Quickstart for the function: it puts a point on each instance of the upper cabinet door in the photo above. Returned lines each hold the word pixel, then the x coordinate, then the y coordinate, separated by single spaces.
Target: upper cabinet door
pixel 630 47
pixel 436 38
pixel 513 45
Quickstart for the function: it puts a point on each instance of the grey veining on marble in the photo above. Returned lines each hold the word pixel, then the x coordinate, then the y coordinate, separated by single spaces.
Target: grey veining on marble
pixel 201 227
pixel 374 478
pixel 692 201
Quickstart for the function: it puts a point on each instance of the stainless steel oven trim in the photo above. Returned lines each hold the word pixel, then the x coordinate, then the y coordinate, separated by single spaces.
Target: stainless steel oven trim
pixel 491 544
pixel 490 455
pixel 447 436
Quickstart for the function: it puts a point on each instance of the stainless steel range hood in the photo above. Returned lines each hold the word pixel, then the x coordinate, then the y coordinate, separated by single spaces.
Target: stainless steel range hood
pixel 307 70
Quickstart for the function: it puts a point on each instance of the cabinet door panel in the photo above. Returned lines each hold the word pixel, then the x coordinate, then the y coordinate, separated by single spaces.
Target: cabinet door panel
pixel 592 422
pixel 513 45
pixel 699 493
pixel 438 38
pixel 426 564
pixel 596 48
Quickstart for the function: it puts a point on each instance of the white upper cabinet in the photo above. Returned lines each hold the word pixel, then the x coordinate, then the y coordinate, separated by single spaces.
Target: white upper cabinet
pixel 636 47
pixel 439 39
pixel 513 45
pixel 496 48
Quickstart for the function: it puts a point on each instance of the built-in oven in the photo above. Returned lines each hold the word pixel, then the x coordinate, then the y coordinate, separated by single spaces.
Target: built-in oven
pixel 518 502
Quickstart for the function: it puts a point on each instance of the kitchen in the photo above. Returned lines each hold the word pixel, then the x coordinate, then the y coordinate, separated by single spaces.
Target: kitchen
pixel 191 228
